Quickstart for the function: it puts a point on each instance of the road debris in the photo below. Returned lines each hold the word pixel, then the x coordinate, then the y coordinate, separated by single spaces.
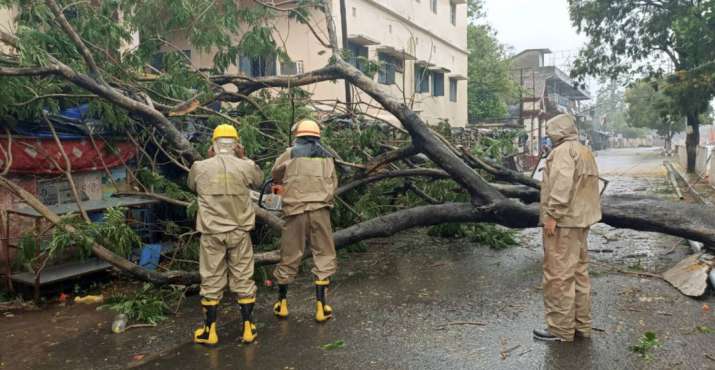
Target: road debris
pixel 475 323
pixel 334 345
pixel 89 299
pixel 690 276
pixel 505 353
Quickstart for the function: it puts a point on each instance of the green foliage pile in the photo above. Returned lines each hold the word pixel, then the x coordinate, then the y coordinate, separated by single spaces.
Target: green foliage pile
pixel 207 24
pixel 147 305
pixel 490 235
pixel 113 232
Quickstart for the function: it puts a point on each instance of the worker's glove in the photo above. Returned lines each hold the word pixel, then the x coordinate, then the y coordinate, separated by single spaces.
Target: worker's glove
pixel 277 189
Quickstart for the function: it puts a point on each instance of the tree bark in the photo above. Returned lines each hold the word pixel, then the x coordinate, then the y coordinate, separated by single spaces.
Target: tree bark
pixel 422 137
pixel 692 140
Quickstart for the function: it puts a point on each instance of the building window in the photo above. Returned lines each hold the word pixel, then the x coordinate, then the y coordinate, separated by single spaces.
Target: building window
pixel 160 59
pixel 452 90
pixel 354 12
pixel 433 6
pixel 358 56
pixel 437 84
pixel 421 80
pixel 291 68
pixel 260 66
pixel 389 65
pixel 453 13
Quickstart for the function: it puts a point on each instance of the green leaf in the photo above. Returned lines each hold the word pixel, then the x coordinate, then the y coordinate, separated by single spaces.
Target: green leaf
pixel 334 345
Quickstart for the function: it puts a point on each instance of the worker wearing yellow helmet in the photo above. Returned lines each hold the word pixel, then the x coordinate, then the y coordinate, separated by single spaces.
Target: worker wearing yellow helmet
pixel 305 176
pixel 224 218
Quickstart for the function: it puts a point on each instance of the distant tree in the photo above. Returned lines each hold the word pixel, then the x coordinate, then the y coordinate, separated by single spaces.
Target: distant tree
pixel 610 107
pixel 648 107
pixel 633 36
pixel 490 85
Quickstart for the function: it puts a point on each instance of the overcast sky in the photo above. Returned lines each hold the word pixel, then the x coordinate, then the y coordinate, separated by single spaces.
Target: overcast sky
pixel 535 24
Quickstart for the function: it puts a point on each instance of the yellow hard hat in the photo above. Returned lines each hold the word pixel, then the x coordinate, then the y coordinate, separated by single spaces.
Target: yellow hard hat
pixel 225 130
pixel 306 127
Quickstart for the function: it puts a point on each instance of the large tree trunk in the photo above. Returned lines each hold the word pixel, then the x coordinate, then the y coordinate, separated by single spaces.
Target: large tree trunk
pixel 693 222
pixel 489 203
pixel 692 140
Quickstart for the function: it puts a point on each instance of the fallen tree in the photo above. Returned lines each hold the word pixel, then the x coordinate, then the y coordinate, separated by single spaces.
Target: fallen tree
pixel 510 203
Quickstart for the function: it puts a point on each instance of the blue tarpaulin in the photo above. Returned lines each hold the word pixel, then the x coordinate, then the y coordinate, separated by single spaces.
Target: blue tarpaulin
pixel 76 113
pixel 150 255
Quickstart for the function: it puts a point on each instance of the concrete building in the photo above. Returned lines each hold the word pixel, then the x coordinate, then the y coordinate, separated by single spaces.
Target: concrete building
pixel 546 91
pixel 421 46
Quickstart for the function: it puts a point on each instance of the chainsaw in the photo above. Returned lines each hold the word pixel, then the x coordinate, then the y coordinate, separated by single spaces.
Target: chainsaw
pixel 266 199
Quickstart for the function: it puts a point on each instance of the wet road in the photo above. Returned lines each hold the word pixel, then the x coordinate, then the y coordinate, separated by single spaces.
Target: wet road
pixel 416 302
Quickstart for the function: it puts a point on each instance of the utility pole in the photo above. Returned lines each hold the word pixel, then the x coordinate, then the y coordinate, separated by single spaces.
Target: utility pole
pixel 344 30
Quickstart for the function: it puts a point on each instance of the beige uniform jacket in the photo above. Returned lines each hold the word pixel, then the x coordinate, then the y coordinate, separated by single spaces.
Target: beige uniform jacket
pixel 222 184
pixel 309 183
pixel 569 190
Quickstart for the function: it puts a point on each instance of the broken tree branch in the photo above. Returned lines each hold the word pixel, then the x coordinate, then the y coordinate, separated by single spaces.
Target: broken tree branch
pixel 68 168
pixel 76 40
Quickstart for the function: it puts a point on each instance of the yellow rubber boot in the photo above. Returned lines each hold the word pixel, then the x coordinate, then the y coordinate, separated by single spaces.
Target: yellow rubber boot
pixel 207 334
pixel 280 308
pixel 249 328
pixel 323 312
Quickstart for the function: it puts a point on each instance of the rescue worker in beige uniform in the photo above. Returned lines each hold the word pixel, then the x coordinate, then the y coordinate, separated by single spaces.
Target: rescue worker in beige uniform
pixel 305 176
pixel 225 218
pixel 570 205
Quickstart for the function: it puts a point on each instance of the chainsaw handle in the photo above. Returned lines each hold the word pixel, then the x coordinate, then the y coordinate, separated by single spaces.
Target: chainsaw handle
pixel 268 184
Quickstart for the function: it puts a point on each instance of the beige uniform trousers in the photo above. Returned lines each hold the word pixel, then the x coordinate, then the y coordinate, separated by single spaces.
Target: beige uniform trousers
pixel 314 227
pixel 567 287
pixel 226 258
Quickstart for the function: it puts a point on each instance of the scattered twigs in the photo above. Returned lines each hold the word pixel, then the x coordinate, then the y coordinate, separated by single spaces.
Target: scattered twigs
pixel 627 272
pixel 136 326
pixel 462 323
pixel 505 353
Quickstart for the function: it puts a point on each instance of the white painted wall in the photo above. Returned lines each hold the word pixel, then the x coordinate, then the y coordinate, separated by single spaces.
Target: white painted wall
pixel 401 24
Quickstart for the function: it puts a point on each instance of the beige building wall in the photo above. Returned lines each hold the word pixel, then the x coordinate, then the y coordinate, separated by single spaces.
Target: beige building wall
pixel 398 25
pixel 7 24
pixel 428 37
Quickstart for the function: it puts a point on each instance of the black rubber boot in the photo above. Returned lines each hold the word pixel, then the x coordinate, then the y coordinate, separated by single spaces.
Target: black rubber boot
pixel 249 328
pixel 207 334
pixel 280 308
pixel 323 312
pixel 545 335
